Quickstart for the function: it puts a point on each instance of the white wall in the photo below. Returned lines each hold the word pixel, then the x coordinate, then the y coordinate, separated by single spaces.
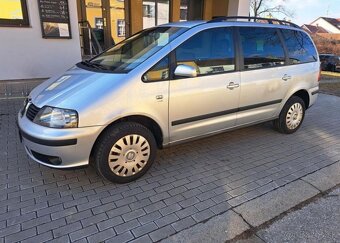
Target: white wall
pixel 238 7
pixel 327 26
pixel 24 54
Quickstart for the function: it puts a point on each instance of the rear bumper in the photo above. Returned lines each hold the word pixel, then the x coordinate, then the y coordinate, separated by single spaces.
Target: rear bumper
pixel 313 95
pixel 57 148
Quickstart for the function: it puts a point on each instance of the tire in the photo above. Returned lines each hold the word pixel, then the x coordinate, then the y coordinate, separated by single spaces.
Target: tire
pixel 125 152
pixel 291 116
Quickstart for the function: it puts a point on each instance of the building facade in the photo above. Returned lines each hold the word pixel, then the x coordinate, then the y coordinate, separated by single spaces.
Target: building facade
pixel 43 38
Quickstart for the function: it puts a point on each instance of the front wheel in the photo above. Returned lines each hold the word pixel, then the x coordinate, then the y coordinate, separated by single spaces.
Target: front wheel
pixel 125 152
pixel 291 116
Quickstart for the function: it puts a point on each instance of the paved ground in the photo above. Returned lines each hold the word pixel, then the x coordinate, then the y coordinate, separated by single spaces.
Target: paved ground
pixel 316 222
pixel 187 185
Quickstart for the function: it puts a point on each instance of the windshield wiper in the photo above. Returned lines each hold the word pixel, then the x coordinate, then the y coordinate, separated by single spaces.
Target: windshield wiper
pixel 94 65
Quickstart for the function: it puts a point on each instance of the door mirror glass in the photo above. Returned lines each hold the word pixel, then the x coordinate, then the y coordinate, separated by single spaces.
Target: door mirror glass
pixel 185 71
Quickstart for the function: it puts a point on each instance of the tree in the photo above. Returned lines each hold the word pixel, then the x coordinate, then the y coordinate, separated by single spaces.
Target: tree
pixel 259 8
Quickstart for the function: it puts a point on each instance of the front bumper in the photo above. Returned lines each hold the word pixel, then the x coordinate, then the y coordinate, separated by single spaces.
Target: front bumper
pixel 57 148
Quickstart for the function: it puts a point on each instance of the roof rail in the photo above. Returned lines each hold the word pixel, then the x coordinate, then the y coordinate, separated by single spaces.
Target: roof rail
pixel 253 19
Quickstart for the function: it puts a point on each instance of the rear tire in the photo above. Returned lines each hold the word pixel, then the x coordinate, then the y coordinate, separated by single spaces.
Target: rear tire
pixel 291 116
pixel 125 152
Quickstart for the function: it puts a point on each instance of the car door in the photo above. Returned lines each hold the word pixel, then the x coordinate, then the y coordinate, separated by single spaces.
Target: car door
pixel 265 79
pixel 206 103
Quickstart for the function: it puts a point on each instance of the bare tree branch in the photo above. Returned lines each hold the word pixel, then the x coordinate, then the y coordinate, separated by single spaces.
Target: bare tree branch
pixel 262 7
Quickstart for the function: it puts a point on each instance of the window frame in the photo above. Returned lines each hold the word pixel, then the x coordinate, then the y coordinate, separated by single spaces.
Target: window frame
pixel 236 58
pixel 123 25
pixel 241 54
pixel 21 23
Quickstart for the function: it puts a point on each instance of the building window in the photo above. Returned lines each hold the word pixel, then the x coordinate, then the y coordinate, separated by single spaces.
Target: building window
pixel 155 12
pixel 191 10
pixel 13 13
pixel 120 27
pixel 99 23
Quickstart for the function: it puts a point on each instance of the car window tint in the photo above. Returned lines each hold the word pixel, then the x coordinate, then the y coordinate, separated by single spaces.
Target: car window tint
pixel 262 48
pixel 300 47
pixel 158 72
pixel 210 51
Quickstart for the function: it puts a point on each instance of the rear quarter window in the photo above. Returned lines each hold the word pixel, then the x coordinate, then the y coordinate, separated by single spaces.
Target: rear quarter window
pixel 300 47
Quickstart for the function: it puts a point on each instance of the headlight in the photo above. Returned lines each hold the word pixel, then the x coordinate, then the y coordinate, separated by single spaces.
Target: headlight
pixel 56 117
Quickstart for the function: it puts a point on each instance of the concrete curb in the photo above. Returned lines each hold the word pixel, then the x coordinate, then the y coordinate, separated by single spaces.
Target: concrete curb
pixel 260 210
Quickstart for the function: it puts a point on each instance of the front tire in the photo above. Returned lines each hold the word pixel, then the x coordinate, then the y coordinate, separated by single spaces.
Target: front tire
pixel 291 116
pixel 125 152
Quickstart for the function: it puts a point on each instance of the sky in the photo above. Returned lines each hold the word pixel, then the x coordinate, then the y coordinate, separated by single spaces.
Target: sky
pixel 306 11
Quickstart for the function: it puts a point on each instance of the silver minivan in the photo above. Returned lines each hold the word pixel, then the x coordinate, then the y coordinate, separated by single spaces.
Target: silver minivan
pixel 170 84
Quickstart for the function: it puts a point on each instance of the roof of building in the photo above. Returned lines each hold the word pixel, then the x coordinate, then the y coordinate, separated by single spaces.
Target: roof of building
pixel 333 21
pixel 314 29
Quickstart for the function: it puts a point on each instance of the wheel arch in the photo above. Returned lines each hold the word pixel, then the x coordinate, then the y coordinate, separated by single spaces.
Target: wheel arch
pixel 148 122
pixel 304 95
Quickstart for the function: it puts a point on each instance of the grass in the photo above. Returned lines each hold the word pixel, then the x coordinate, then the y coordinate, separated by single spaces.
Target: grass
pixel 330 83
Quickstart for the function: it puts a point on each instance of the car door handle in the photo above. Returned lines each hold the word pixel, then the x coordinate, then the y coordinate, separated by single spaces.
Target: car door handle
pixel 286 77
pixel 232 86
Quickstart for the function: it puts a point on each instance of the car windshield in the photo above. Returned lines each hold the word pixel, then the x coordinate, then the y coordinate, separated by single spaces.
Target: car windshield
pixel 131 52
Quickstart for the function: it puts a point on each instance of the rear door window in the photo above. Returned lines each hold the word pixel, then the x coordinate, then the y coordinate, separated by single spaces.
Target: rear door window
pixel 300 47
pixel 261 47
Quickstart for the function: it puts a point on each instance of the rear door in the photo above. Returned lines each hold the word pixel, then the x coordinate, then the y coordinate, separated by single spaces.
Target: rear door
pixel 208 102
pixel 264 78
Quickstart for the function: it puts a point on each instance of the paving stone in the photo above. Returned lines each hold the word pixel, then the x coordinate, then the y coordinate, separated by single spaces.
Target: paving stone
pixel 183 224
pixel 144 229
pixel 22 235
pixel 203 215
pixel 162 233
pixel 127 226
pixel 101 236
pixel 122 238
pixel 168 219
pixel 186 212
pixel 170 209
pixel 77 235
pixel 47 236
pixel 51 225
pixel 149 217
pixel 133 215
pixel 64 230
pixel 233 168
pixel 94 219
pixel 142 239
pixel 112 222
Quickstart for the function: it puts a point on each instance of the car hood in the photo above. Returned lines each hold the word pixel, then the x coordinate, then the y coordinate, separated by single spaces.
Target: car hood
pixel 75 88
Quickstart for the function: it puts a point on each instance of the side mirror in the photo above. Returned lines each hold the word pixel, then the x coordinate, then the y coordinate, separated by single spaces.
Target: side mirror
pixel 183 70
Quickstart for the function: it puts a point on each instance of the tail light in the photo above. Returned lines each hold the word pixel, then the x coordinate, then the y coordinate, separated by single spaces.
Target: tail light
pixel 319 77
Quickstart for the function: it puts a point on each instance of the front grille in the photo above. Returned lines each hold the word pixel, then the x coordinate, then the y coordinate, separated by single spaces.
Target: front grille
pixel 32 111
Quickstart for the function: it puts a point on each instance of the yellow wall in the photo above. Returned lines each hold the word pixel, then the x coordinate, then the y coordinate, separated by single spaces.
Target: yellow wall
pixel 211 8
pixel 10 9
pixel 116 10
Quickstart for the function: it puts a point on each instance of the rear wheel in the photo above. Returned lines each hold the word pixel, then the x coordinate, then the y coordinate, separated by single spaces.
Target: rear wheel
pixel 291 116
pixel 125 152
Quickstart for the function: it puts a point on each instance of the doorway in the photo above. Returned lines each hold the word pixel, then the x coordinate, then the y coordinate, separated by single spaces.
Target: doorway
pixel 101 24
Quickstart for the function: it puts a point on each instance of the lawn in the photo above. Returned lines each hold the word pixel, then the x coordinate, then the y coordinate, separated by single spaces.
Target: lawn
pixel 330 83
